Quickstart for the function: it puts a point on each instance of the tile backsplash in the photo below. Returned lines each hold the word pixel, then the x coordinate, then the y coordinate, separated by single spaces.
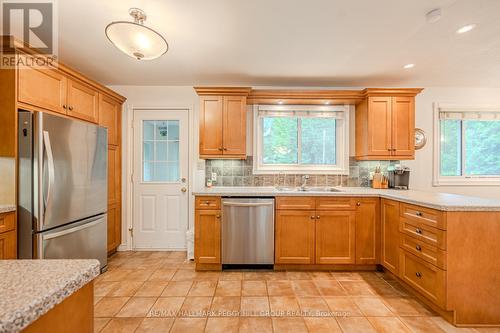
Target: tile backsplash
pixel 239 173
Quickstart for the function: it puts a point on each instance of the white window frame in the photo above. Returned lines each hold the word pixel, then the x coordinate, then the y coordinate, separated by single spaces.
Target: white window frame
pixel 439 180
pixel 342 143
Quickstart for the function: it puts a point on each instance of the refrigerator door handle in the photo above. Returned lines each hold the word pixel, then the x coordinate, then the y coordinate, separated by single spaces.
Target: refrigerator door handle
pixel 75 229
pixel 50 162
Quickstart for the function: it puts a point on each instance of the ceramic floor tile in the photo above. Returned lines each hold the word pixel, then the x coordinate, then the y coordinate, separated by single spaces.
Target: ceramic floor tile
pixel 177 254
pixel 421 325
pixel 99 324
pixel 280 288
pixel 184 275
pixel 162 275
pixel 253 276
pixel 313 306
pixel 197 306
pixel 222 325
pixel 402 306
pixel 109 306
pixel 230 276
pixel 151 289
pixel 203 288
pixel 449 328
pixel 188 325
pixel 286 306
pixel 97 299
pixel 321 276
pixel 256 325
pixel 155 325
pixel 305 288
pixel 253 288
pixel 355 325
pixel 347 276
pixel 139 275
pixel 322 325
pixel 342 306
pixel 116 274
pixel 225 306
pixel 272 276
pixel 102 288
pixel 228 288
pixel 254 306
pixel 289 325
pixel 298 275
pixel 372 306
pixel 166 307
pixel 388 325
pixel 207 276
pixel 137 307
pixel 122 325
pixel 177 288
pixel 357 288
pixel 125 288
pixel 330 288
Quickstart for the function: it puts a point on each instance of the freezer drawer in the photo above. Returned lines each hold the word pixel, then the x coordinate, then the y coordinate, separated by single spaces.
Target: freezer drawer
pixel 248 231
pixel 81 240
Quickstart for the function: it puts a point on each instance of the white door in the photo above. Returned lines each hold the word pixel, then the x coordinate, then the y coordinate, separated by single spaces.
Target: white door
pixel 160 179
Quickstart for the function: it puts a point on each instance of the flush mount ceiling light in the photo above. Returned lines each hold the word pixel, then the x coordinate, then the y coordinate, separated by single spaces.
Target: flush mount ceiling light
pixel 433 16
pixel 466 28
pixel 135 39
pixel 408 66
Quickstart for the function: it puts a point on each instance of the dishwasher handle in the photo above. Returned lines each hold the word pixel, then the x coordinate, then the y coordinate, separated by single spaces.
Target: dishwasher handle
pixel 247 204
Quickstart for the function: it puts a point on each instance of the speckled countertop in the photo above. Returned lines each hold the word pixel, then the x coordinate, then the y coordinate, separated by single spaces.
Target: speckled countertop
pixel 440 201
pixel 30 288
pixel 7 208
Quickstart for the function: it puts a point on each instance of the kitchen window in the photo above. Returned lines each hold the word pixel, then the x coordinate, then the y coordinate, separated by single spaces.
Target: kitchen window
pixel 301 139
pixel 468 146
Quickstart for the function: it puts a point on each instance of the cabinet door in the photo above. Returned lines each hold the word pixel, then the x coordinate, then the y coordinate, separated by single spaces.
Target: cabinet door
pixel 294 237
pixel 109 117
pixel 403 127
pixel 114 173
pixel 207 247
pixel 379 126
pixel 8 245
pixel 234 125
pixel 211 125
pixel 82 101
pixel 44 88
pixel 114 227
pixel 335 237
pixel 390 235
pixel 367 231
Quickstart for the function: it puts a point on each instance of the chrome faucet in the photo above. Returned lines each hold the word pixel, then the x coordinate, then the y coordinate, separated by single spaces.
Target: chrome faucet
pixel 304 182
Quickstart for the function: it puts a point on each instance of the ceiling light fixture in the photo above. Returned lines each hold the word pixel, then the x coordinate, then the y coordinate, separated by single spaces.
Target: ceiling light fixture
pixel 135 39
pixel 466 28
pixel 433 16
pixel 408 66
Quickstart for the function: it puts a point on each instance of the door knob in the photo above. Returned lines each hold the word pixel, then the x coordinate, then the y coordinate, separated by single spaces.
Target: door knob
pixel 183 190
pixel 183 180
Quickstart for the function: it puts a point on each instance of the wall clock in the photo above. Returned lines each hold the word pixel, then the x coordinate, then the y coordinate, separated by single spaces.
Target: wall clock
pixel 420 138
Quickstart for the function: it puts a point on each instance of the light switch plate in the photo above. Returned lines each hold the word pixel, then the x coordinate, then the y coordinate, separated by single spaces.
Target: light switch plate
pixel 214 177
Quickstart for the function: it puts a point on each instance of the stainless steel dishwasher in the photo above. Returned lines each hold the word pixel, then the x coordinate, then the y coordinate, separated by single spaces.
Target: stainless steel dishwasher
pixel 248 231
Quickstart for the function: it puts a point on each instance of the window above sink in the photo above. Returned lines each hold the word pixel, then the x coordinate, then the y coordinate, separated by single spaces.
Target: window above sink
pixel 301 139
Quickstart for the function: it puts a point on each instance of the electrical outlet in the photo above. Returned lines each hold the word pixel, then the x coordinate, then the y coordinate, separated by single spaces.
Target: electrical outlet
pixel 214 177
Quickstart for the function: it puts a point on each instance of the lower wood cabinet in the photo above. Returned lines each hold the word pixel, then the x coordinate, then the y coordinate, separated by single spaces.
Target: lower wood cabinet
pixel 295 236
pixel 8 236
pixel 367 231
pixel 114 227
pixel 390 235
pixel 207 240
pixel 335 237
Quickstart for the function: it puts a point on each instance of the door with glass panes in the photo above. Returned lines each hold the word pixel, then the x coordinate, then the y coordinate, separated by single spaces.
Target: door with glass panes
pixel 160 179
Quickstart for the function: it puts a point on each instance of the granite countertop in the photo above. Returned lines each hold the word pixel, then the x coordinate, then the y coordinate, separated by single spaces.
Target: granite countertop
pixel 30 288
pixel 440 201
pixel 7 208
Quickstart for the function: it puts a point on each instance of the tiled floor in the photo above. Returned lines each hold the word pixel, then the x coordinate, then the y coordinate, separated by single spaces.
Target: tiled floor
pixel 161 292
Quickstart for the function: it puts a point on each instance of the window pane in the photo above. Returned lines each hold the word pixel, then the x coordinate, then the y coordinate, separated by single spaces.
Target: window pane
pixel 279 140
pixel 161 132
pixel 148 150
pixel 318 141
pixel 451 150
pixel 482 147
pixel 149 129
pixel 148 172
pixel 173 130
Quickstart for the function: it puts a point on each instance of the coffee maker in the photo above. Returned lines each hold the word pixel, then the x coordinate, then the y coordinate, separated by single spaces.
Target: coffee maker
pixel 399 177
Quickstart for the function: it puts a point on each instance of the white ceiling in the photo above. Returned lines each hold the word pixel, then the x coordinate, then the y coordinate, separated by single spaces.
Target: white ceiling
pixel 290 42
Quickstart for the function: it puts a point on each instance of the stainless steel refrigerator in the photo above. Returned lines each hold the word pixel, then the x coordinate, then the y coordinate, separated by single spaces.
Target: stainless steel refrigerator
pixel 62 188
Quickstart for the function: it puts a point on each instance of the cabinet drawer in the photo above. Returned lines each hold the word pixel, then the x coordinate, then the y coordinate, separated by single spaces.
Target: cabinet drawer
pixel 427 252
pixel 296 203
pixel 431 217
pixel 329 203
pixel 7 222
pixel 423 232
pixel 8 245
pixel 207 203
pixel 424 277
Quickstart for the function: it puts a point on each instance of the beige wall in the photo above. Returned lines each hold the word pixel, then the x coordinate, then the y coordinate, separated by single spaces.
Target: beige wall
pixel 7 181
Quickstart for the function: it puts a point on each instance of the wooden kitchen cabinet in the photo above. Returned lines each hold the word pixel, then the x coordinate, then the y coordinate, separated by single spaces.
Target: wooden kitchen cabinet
pixel 207 238
pixel 114 227
pixel 110 117
pixel 335 237
pixel 390 235
pixel 223 122
pixel 295 236
pixel 367 231
pixel 385 125
pixel 83 101
pixel 8 245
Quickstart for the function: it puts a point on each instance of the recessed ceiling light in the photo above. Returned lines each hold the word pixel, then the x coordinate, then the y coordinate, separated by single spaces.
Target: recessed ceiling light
pixel 433 16
pixel 408 66
pixel 466 28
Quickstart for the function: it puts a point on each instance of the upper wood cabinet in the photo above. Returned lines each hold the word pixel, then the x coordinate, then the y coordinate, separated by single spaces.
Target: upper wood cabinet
pixel 385 125
pixel 294 236
pixel 223 118
pixel 367 231
pixel 335 237
pixel 390 235
pixel 110 117
pixel 82 101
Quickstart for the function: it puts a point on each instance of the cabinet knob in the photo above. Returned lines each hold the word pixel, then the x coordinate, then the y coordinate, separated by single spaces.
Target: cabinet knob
pixel 225 149
pixel 217 216
pixel 313 217
pixel 418 248
pixel 317 217
pixel 64 106
pixel 418 213
pixel 418 231
pixel 220 149
pixel 358 203
pixel 71 108
pixel 418 274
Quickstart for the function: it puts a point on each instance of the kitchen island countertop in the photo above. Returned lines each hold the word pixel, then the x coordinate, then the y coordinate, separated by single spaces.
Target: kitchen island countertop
pixel 435 200
pixel 30 288
pixel 7 208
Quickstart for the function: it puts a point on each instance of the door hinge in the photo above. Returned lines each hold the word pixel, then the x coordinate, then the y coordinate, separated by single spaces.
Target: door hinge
pixel 132 178
pixel 131 230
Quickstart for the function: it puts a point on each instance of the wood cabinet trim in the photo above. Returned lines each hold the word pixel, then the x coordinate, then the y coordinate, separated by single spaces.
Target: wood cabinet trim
pixel 295 203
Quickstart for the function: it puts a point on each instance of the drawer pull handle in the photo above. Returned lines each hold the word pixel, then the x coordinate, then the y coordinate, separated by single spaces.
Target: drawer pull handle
pixel 206 202
pixel 418 274
pixel 313 217
pixel 217 216
pixel 418 213
pixel 418 231
pixel 358 204
pixel 318 217
pixel 418 248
